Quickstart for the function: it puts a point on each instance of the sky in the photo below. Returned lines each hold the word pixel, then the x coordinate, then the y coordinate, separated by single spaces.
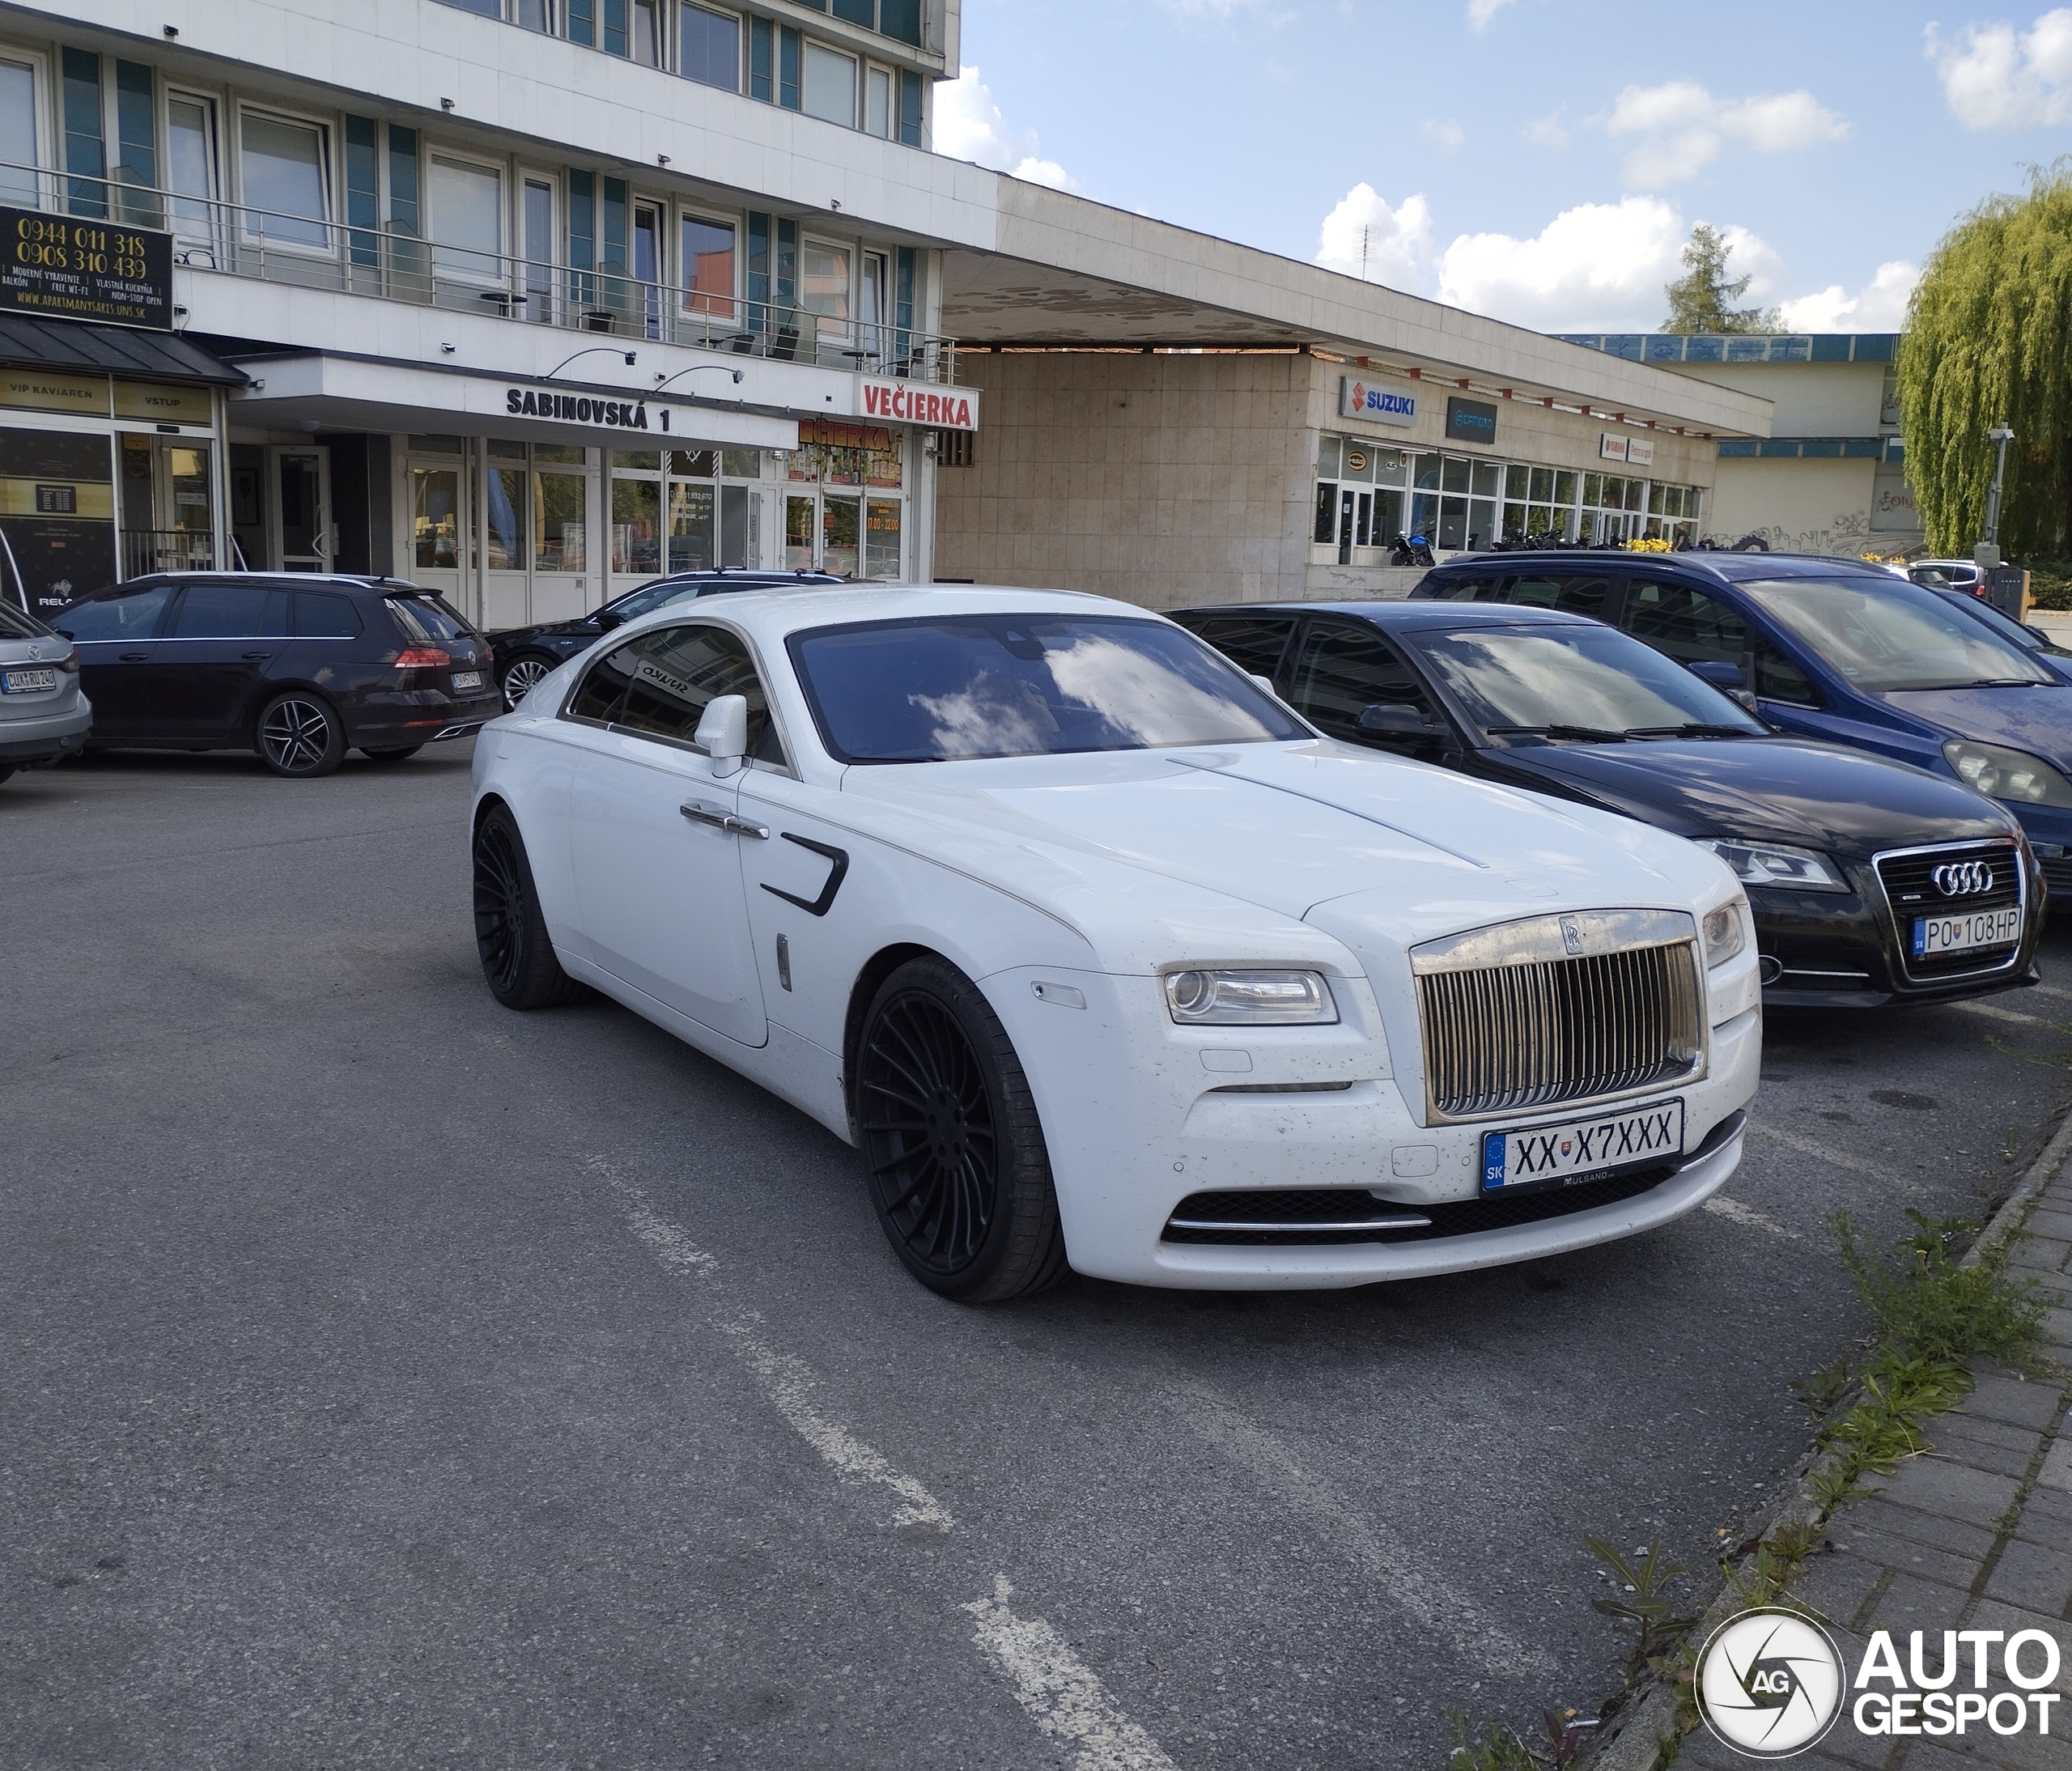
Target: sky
pixel 1542 161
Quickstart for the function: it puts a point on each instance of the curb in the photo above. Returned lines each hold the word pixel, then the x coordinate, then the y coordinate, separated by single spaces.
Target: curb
pixel 1649 1720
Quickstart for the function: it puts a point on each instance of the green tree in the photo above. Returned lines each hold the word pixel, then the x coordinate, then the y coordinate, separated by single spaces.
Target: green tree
pixel 1701 300
pixel 1989 339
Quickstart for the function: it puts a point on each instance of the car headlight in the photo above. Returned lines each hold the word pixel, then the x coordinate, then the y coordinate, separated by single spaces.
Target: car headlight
pixel 2013 776
pixel 1723 933
pixel 1241 998
pixel 1771 864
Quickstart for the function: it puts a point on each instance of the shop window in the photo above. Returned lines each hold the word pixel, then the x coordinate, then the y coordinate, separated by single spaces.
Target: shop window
pixel 18 134
pixel 798 534
pixel 829 91
pixel 285 188
pixel 560 504
pixel 507 527
pixel 840 535
pixel 709 47
pixel 435 513
pixel 637 527
pixel 693 526
pixel 881 538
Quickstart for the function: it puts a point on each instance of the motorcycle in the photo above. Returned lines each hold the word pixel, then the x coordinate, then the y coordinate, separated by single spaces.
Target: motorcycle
pixel 1410 551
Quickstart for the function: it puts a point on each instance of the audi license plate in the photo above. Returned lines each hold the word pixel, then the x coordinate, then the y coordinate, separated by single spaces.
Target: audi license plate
pixel 1934 935
pixel 26 681
pixel 1634 1139
pixel 467 679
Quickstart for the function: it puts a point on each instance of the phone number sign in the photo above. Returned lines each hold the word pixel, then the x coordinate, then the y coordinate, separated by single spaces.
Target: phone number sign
pixel 60 267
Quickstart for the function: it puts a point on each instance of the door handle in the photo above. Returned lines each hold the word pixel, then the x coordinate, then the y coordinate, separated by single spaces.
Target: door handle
pixel 252 656
pixel 699 812
pixel 136 657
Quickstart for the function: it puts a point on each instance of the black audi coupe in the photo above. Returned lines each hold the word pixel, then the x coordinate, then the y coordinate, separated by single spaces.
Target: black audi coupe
pixel 1871 881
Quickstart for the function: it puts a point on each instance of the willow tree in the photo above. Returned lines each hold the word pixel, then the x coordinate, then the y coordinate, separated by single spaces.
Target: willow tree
pixel 1989 340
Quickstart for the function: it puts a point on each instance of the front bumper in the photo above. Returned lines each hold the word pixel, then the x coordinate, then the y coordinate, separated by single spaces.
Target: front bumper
pixel 1841 950
pixel 1138 1115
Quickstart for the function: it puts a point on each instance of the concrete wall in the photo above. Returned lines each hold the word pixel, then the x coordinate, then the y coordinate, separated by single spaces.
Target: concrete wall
pixel 1820 506
pixel 1160 480
pixel 1810 399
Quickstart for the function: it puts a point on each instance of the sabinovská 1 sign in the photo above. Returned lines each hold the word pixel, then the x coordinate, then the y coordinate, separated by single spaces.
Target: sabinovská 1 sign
pixel 58 267
pixel 911 402
pixel 1379 402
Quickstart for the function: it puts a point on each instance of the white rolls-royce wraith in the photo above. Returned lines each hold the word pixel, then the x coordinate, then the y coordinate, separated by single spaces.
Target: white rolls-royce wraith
pixel 1102 957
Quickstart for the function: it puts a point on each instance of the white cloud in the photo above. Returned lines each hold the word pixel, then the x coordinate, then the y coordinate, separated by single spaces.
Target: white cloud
pixel 1448 134
pixel 1480 12
pixel 1548 131
pixel 1396 244
pixel 1879 306
pixel 1995 79
pixel 1598 264
pixel 1682 127
pixel 970 126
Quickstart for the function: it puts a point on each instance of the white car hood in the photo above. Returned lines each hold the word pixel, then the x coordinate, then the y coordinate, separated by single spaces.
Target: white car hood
pixel 1291 828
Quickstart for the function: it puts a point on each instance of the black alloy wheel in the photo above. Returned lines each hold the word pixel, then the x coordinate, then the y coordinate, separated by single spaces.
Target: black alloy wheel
pixel 958 1170
pixel 518 679
pixel 300 736
pixel 510 935
pixel 391 752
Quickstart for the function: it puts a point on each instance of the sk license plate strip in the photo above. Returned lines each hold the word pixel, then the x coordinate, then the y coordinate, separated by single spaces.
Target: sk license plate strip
pixel 467 679
pixel 1934 935
pixel 1632 1138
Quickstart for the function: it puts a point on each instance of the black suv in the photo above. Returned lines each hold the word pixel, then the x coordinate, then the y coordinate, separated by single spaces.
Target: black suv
pixel 299 666
pixel 521 655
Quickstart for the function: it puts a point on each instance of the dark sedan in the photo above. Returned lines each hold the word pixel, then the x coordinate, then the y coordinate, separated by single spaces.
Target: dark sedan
pixel 522 656
pixel 1870 882
pixel 300 667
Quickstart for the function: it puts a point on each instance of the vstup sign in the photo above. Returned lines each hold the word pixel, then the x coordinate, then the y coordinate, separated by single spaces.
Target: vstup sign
pixel 912 402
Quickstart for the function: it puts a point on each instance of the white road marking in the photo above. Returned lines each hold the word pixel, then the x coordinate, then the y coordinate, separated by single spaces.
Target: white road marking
pixel 1806 1146
pixel 1059 1692
pixel 1405 1575
pixel 1747 1216
pixel 2051 989
pixel 1992 1013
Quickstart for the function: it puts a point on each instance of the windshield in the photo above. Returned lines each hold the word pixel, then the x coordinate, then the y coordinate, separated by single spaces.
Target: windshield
pixel 946 688
pixel 1882 634
pixel 1557 680
pixel 2009 629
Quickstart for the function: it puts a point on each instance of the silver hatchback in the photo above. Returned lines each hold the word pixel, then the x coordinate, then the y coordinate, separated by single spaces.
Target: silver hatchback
pixel 42 715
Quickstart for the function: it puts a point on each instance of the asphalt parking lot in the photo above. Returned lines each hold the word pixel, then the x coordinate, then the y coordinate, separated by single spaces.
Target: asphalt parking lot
pixel 392 1379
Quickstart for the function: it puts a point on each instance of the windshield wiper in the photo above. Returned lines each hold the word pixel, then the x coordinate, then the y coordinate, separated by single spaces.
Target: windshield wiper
pixel 1585 734
pixel 1693 729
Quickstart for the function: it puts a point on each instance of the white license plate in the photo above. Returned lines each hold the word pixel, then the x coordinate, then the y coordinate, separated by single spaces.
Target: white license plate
pixel 1934 935
pixel 1631 1138
pixel 26 681
pixel 467 679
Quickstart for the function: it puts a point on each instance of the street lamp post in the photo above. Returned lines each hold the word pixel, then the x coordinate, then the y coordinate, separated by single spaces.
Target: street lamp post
pixel 1987 552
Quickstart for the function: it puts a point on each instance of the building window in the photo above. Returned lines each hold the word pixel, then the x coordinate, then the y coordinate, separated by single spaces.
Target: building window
pixel 647 23
pixel 488 9
pixel 137 151
pixel 284 185
pixel 788 68
pixel 761 60
pixel 467 220
pixel 18 134
pixel 824 293
pixel 709 47
pixel 877 102
pixel 910 107
pixel 957 448
pixel 190 139
pixel 708 266
pixel 583 22
pixel 84 156
pixel 532 15
pixel 830 86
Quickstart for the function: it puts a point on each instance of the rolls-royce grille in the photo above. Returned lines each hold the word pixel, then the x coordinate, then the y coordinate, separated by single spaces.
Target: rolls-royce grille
pixel 1952 881
pixel 1503 1038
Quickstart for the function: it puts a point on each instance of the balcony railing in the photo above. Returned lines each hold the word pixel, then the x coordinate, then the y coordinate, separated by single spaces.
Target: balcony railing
pixel 146 551
pixel 237 239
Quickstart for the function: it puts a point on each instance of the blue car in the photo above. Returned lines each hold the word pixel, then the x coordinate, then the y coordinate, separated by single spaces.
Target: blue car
pixel 1833 649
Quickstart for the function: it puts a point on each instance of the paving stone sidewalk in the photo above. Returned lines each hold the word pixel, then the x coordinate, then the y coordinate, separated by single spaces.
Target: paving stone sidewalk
pixel 1977 1535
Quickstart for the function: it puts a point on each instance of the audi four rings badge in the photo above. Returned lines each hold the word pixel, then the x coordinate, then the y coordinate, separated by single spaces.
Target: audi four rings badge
pixel 1963 879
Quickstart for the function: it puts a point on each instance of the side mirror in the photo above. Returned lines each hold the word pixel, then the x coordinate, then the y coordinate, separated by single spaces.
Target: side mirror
pixel 1719 673
pixel 723 732
pixel 603 620
pixel 1396 720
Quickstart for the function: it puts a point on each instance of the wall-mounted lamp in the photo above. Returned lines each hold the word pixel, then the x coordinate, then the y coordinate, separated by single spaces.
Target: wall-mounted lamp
pixel 835 202
pixel 173 31
pixel 661 159
pixel 630 356
pixel 446 104
pixel 446 349
pixel 662 381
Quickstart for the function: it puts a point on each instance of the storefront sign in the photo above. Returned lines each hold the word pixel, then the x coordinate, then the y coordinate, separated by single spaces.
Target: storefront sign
pixel 1471 421
pixel 58 267
pixel 46 390
pixel 167 404
pixel 904 402
pixel 581 408
pixel 1379 402
pixel 1637 451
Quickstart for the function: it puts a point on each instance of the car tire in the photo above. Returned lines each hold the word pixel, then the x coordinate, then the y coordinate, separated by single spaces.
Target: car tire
pixel 6 769
pixel 510 935
pixel 958 1171
pixel 391 752
pixel 300 736
pixel 520 674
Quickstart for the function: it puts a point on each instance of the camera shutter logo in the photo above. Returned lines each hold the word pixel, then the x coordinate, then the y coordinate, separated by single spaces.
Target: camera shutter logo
pixel 1770 1684
pixel 1963 879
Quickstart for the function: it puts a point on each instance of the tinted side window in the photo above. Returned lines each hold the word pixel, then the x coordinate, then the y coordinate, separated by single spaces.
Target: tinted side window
pixel 1252 643
pixel 1346 666
pixel 323 614
pixel 230 612
pixel 1571 596
pixel 134 617
pixel 1685 623
pixel 1778 678
pixel 1471 590
pixel 677 671
pixel 602 689
pixel 427 619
